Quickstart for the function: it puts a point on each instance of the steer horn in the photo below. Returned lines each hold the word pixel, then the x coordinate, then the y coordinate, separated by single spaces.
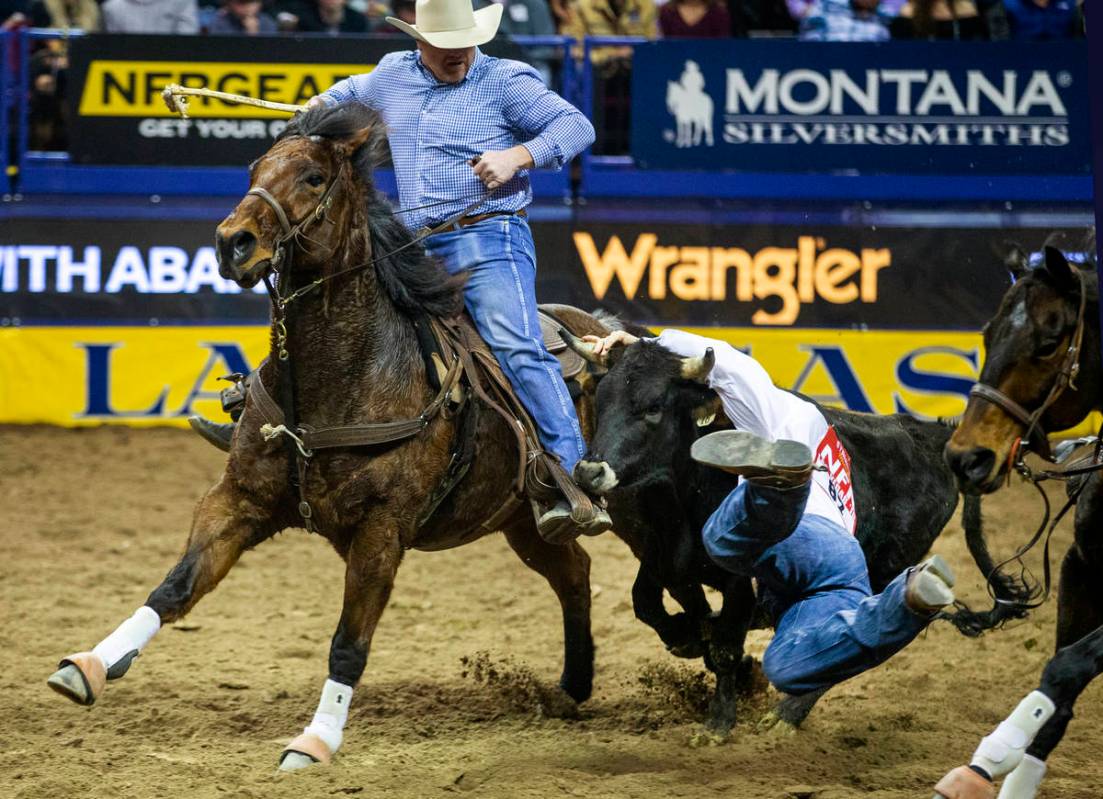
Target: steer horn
pixel 583 348
pixel 698 369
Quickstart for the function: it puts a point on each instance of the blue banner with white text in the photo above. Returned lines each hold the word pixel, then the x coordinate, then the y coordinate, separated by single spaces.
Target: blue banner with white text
pixel 984 108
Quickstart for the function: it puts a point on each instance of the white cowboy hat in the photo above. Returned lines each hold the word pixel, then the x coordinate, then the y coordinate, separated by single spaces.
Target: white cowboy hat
pixel 452 24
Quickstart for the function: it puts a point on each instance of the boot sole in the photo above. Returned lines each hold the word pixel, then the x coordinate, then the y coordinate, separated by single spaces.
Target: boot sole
pixel 743 453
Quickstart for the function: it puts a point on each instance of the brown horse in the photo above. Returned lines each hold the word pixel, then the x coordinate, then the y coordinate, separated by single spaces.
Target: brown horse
pixel 355 351
pixel 1041 373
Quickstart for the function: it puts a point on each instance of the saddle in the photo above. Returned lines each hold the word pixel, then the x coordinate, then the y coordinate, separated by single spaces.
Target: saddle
pixel 540 477
pixel 458 364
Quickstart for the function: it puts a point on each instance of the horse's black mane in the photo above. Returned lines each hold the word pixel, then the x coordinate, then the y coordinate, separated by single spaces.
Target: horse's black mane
pixel 415 282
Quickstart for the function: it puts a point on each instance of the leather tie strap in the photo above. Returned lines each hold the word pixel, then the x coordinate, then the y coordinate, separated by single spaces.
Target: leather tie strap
pixel 362 435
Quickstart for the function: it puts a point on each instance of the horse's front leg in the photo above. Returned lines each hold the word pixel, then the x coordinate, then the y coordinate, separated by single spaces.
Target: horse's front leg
pixel 370 567
pixel 226 523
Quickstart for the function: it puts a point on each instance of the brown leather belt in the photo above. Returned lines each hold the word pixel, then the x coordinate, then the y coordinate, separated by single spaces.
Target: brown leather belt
pixel 475 219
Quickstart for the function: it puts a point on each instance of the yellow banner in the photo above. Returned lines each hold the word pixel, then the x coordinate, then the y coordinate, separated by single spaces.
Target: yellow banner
pixel 133 88
pixel 76 376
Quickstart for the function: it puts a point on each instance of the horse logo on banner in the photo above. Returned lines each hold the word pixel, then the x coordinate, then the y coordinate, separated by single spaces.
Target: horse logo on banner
pixel 691 107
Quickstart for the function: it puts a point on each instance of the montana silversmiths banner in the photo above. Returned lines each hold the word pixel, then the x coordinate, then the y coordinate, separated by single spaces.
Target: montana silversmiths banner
pixel 118 117
pixel 983 108
pixel 88 271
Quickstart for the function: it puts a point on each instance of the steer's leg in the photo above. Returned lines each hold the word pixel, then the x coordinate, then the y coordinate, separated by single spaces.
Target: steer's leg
pixel 681 632
pixel 370 567
pixel 567 568
pixel 725 652
pixel 225 524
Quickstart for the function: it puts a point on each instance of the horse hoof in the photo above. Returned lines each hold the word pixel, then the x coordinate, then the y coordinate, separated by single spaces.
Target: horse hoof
pixel 306 750
pixel 296 761
pixel 80 677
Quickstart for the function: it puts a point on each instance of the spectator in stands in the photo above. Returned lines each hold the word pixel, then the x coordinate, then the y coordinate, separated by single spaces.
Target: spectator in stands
pixel 151 16
pixel 14 14
pixel 938 19
pixel 844 20
pixel 241 17
pixel 323 16
pixel 528 18
pixel 1044 19
pixel 405 10
pixel 613 65
pixel 694 19
pixel 65 14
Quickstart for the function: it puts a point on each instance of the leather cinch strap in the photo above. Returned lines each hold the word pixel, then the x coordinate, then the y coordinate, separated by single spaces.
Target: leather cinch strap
pixel 360 435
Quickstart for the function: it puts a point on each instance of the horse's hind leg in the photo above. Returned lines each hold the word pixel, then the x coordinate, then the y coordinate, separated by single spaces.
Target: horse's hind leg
pixel 370 567
pixel 567 568
pixel 225 524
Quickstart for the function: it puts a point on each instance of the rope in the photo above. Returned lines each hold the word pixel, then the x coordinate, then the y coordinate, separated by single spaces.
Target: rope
pixel 269 432
pixel 175 96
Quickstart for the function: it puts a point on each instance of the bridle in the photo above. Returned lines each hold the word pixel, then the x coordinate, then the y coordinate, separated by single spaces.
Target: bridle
pixel 1037 441
pixel 282 296
pixel 1035 436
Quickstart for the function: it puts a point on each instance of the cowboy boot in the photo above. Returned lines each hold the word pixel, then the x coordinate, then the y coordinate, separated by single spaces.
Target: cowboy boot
pixel 563 511
pixel 780 464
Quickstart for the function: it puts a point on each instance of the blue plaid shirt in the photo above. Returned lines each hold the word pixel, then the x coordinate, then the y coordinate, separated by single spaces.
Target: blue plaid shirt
pixel 434 128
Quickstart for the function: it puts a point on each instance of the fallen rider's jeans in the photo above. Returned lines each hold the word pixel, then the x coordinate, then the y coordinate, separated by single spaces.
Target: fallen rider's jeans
pixel 812 575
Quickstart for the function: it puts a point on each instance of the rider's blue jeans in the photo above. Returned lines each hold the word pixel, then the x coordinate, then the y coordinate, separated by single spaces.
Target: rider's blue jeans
pixel 812 576
pixel 500 295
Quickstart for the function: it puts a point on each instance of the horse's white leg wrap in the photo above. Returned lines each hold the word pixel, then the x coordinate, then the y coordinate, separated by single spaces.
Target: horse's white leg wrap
pixel 1023 782
pixel 132 634
pixel 1000 752
pixel 332 713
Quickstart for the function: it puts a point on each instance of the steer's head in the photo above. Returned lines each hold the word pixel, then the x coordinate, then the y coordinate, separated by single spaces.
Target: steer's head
pixel 648 407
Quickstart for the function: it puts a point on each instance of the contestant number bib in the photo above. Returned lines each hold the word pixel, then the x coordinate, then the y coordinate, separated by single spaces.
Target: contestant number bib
pixel 840 487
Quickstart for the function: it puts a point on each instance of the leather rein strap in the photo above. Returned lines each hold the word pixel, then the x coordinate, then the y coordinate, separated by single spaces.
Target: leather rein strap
pixel 1035 434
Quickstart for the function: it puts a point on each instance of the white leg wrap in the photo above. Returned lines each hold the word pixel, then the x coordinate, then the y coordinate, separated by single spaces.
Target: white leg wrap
pixel 134 633
pixel 1023 782
pixel 1000 752
pixel 331 715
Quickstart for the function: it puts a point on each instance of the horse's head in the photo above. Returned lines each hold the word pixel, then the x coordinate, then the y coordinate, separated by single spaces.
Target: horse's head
pixel 1026 355
pixel 305 195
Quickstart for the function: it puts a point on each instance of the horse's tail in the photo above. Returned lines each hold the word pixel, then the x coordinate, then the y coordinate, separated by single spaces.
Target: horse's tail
pixel 1011 594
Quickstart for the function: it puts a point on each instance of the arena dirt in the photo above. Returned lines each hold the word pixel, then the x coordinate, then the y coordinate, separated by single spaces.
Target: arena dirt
pixel 459 696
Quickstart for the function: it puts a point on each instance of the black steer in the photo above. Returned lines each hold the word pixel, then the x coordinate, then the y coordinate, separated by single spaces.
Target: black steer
pixel 651 405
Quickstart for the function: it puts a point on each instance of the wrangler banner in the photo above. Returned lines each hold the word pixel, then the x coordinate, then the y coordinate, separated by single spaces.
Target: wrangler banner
pixel 118 116
pixel 727 275
pixel 991 108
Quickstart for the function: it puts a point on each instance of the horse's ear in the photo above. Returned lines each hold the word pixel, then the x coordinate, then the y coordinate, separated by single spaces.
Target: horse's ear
pixel 1058 267
pixel 358 139
pixel 1014 258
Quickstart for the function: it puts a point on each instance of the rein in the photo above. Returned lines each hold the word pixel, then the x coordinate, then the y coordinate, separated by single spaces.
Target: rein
pixel 302 440
pixel 1036 439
